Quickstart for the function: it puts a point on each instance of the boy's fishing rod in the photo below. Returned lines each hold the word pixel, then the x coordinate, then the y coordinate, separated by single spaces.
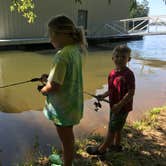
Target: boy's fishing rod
pixel 97 104
pixel 95 96
pixel 23 82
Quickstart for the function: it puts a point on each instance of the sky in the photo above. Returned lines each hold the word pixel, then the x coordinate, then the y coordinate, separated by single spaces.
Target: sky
pixel 157 7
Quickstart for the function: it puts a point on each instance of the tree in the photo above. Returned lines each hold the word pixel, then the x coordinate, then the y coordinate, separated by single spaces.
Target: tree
pixel 141 10
pixel 25 7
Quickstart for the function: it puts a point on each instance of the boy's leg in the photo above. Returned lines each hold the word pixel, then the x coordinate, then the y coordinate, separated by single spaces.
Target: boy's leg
pixel 120 124
pixel 108 141
pixel 110 134
pixel 67 138
pixel 117 139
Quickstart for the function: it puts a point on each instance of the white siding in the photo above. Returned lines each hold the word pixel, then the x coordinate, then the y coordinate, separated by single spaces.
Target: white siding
pixel 100 12
pixel 14 26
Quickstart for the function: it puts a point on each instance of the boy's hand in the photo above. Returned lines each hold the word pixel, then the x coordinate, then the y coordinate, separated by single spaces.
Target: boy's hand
pixel 116 108
pixel 100 97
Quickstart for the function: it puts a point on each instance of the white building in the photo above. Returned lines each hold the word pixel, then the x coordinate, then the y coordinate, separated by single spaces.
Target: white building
pixel 92 14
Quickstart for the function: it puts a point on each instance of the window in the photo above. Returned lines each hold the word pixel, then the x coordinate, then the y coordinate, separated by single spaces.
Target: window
pixel 82 18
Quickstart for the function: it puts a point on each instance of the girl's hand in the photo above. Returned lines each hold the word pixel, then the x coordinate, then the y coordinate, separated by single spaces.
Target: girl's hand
pixel 44 91
pixel 50 87
pixel 39 87
pixel 44 78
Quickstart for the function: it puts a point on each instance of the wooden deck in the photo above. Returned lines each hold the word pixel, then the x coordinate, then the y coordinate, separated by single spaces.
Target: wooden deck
pixel 113 38
pixel 91 40
pixel 9 42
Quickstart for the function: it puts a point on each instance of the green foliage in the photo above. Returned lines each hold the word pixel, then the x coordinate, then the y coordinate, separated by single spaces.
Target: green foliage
pixel 25 7
pixel 140 10
pixel 156 111
pixel 54 150
pixel 140 125
pixel 133 5
pixel 150 119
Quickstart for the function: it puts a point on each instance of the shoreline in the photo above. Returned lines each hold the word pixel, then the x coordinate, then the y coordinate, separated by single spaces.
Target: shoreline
pixel 141 142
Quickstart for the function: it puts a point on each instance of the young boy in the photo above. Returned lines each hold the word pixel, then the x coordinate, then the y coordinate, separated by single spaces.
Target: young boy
pixel 121 87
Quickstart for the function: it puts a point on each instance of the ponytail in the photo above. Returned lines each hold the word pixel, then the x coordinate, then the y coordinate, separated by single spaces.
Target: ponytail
pixel 80 38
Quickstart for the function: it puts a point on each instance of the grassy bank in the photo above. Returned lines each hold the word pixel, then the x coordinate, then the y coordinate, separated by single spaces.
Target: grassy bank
pixel 143 141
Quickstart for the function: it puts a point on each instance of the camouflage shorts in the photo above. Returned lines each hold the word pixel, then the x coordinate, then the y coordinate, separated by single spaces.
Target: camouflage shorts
pixel 117 120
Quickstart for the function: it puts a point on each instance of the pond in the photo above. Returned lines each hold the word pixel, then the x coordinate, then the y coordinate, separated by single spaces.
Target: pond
pixel 21 118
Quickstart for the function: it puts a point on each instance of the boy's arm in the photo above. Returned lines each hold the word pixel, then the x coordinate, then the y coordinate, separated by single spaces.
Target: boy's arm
pixel 124 100
pixel 127 98
pixel 102 96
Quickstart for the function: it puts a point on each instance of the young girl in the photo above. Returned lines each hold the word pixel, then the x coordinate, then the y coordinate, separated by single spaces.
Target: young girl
pixel 64 87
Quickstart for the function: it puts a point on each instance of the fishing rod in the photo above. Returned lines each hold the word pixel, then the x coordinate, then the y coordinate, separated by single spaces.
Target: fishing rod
pixel 23 82
pixel 95 96
pixel 97 104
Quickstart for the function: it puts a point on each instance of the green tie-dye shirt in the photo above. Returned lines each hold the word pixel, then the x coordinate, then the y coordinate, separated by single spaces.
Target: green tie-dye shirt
pixel 65 107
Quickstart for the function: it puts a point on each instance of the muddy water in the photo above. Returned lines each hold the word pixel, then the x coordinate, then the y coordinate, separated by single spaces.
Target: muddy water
pixel 21 120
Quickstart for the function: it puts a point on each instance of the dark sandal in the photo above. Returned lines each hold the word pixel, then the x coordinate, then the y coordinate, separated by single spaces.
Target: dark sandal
pixel 93 150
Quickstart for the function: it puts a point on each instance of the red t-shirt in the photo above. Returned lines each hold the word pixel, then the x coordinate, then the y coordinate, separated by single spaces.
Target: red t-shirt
pixel 119 83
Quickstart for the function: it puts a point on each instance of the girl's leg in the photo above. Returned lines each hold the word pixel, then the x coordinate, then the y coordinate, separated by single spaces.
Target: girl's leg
pixel 67 138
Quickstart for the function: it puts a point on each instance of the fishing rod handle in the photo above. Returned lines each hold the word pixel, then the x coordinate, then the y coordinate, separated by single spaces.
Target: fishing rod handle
pixel 35 79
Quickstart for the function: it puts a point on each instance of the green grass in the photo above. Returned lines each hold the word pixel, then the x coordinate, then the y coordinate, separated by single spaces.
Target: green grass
pixel 150 119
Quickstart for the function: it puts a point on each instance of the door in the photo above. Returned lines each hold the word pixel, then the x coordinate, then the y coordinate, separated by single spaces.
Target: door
pixel 82 18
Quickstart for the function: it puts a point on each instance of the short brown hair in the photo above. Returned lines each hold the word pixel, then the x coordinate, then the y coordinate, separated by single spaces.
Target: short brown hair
pixel 121 49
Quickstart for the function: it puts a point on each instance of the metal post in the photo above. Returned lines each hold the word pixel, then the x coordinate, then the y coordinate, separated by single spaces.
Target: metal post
pixel 125 28
pixel 133 26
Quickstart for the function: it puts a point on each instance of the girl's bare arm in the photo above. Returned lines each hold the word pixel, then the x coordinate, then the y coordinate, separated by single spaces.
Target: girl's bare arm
pixel 50 87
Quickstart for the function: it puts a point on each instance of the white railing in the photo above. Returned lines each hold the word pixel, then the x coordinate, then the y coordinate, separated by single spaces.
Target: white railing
pixel 143 24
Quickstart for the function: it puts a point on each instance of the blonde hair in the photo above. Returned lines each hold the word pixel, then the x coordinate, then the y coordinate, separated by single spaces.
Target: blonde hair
pixel 63 24
pixel 121 49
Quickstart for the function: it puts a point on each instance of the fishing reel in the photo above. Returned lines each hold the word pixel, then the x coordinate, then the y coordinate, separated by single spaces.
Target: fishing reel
pixel 97 105
pixel 39 87
pixel 99 99
pixel 43 80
